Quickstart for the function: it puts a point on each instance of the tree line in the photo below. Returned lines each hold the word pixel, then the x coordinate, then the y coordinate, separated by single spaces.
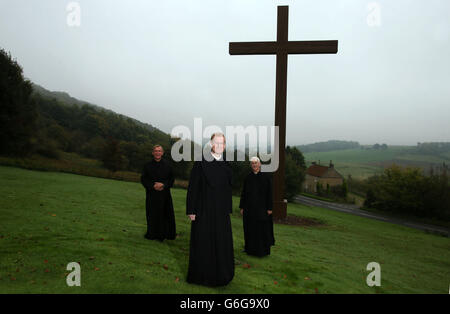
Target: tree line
pixel 409 191
pixel 433 148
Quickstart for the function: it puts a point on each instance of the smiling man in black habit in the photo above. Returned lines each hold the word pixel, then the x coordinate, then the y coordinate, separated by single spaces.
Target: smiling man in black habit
pixel 256 206
pixel 157 178
pixel 209 205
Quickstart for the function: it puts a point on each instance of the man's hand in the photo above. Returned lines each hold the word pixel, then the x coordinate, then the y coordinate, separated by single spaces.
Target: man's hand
pixel 158 186
pixel 269 212
pixel 192 217
pixel 242 211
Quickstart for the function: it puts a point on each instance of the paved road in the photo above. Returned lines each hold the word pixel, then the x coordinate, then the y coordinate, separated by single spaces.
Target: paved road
pixel 353 209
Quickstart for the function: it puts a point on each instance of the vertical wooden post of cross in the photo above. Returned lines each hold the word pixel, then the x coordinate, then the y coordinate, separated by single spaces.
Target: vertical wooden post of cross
pixel 282 48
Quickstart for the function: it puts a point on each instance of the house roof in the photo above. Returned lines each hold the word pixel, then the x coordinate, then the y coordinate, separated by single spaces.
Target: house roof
pixel 317 170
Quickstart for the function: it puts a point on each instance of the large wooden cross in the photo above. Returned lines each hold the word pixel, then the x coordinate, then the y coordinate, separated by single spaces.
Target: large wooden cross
pixel 281 48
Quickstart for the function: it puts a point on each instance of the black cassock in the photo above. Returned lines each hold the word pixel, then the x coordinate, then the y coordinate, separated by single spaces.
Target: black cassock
pixel 211 257
pixel 256 200
pixel 158 204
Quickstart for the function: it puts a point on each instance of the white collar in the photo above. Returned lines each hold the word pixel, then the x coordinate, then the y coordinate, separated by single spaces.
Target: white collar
pixel 216 158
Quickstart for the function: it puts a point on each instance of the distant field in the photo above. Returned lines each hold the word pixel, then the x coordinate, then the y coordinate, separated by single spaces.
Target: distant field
pixel 49 219
pixel 362 163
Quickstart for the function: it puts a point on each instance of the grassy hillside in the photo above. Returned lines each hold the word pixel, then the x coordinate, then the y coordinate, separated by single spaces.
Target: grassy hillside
pixel 50 219
pixel 362 163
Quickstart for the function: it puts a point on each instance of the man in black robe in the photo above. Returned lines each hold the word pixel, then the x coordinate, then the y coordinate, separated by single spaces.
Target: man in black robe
pixel 256 207
pixel 157 178
pixel 209 205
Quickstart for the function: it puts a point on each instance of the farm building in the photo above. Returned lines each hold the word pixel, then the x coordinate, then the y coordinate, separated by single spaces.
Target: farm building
pixel 322 174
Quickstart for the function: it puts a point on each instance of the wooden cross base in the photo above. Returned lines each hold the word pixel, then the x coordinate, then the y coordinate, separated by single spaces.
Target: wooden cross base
pixel 279 210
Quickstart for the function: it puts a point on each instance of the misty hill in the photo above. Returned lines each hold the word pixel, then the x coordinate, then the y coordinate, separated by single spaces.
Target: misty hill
pixel 65 99
pixel 65 124
pixel 330 145
pixel 364 162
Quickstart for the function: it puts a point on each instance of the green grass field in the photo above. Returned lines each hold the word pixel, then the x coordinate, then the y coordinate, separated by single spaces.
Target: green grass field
pixel 363 163
pixel 48 220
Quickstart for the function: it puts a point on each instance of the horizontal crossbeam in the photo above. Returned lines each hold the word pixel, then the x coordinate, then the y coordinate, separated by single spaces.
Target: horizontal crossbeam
pixel 289 47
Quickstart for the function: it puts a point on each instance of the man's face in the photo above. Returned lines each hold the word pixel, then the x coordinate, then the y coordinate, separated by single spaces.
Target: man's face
pixel 256 165
pixel 157 153
pixel 218 144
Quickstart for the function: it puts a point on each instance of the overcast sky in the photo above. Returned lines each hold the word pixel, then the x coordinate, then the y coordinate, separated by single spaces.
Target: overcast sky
pixel 167 62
